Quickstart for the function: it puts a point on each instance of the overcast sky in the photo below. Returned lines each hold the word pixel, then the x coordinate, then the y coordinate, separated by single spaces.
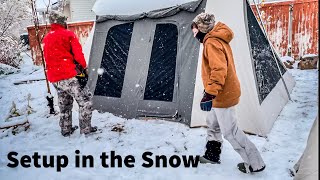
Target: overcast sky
pixel 44 3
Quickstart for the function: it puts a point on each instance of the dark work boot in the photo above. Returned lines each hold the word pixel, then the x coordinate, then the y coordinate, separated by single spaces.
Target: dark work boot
pixel 68 133
pixel 92 130
pixel 245 168
pixel 212 154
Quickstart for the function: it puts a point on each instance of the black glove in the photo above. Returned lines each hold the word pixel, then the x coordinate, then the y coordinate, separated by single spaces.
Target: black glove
pixel 206 102
pixel 82 75
pixel 83 79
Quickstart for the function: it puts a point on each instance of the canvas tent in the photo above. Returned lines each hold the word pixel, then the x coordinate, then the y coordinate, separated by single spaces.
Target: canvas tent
pixel 149 63
pixel 307 167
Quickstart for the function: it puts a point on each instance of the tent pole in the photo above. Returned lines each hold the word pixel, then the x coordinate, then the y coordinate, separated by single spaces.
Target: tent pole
pixel 272 49
pixel 49 96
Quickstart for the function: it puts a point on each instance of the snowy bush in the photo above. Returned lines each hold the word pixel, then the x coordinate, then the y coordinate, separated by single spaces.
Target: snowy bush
pixel 12 13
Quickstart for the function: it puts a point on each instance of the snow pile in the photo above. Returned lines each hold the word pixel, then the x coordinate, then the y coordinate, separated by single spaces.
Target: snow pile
pixel 286 59
pixel 14 121
pixel 29 71
pixel 289 62
pixel 6 69
pixel 280 150
pixel 309 56
pixel 309 61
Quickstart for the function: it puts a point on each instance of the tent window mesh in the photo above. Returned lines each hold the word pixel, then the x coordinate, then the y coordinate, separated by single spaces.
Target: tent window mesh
pixel 114 61
pixel 266 69
pixel 161 74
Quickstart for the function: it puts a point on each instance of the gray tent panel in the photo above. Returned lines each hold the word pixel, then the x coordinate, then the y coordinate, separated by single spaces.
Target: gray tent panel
pixel 159 68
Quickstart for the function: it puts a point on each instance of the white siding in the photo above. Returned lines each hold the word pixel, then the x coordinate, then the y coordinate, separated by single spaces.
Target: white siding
pixel 67 12
pixel 81 10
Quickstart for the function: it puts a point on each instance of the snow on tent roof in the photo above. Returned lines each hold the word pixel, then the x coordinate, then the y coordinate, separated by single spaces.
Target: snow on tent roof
pixel 130 7
pixel 152 12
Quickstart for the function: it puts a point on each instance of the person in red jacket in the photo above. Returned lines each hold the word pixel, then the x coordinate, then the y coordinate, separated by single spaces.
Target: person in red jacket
pixel 62 52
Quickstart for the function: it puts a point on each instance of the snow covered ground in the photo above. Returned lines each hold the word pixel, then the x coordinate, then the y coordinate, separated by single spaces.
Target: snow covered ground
pixel 280 150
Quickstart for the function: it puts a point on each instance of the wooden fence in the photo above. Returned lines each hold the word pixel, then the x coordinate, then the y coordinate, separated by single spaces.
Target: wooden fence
pixel 292 26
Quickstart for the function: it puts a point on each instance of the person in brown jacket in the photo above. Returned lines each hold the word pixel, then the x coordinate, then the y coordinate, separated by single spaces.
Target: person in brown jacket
pixel 221 94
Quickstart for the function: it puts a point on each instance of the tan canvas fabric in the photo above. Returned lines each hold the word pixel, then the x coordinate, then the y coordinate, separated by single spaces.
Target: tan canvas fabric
pixel 307 166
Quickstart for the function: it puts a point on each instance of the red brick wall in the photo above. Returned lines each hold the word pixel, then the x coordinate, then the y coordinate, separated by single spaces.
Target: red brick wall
pixel 81 29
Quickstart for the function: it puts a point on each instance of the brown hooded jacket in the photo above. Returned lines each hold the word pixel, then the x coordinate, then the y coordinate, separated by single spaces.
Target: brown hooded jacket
pixel 218 70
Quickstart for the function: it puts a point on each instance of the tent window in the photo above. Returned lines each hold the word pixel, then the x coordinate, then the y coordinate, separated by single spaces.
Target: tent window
pixel 114 61
pixel 266 70
pixel 161 74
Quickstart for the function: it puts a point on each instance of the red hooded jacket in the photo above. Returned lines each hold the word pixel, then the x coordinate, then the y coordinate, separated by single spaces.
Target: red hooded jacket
pixel 61 49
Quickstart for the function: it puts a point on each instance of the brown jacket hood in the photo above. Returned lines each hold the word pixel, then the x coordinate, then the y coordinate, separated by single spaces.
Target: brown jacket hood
pixel 220 31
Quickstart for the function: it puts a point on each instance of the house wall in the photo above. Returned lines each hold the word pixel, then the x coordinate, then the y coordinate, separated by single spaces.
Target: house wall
pixel 67 12
pixel 81 29
pixel 304 29
pixel 81 10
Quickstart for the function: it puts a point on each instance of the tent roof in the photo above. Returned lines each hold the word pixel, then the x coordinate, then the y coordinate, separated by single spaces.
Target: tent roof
pixel 130 7
pixel 133 11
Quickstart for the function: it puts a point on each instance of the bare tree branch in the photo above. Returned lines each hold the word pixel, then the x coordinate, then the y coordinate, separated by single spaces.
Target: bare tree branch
pixel 6 23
